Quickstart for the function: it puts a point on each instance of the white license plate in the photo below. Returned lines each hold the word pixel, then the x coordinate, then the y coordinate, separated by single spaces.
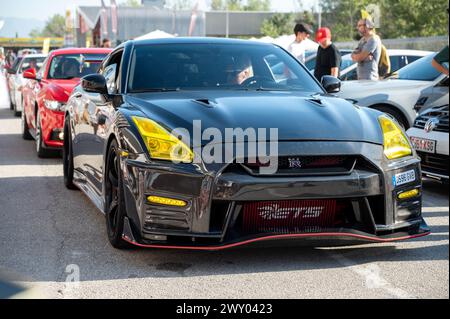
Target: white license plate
pixel 423 145
pixel 404 178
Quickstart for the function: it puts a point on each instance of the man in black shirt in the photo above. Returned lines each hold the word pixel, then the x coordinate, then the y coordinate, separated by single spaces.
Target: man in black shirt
pixel 328 59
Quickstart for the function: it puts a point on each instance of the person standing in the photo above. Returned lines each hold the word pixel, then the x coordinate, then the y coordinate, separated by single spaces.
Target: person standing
pixel 368 52
pixel 328 59
pixel 440 61
pixel 106 43
pixel 297 48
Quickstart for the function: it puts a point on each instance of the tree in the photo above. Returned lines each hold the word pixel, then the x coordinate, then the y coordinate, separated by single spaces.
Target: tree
pixel 54 27
pixel 130 3
pixel 283 23
pixel 238 5
pixel 398 18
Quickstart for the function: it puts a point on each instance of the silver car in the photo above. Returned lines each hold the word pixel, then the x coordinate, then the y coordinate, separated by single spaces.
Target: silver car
pixel 398 94
pixel 17 81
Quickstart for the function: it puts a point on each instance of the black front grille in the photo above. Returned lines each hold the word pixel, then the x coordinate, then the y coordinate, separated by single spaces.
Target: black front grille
pixel 307 165
pixel 434 163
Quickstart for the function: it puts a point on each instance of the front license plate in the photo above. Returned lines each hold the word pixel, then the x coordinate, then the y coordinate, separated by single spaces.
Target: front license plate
pixel 424 145
pixel 404 178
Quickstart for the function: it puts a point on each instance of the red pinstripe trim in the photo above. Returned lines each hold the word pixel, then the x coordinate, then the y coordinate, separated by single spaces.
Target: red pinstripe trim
pixel 246 242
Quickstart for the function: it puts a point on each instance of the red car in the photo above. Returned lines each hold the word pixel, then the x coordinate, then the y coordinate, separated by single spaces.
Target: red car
pixel 45 97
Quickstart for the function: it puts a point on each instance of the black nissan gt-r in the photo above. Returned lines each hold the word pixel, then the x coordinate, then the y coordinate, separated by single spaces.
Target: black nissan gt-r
pixel 201 143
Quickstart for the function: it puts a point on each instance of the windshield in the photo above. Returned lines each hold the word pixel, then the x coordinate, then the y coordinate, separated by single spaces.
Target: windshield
pixel 64 67
pixel 216 66
pixel 420 70
pixel 35 63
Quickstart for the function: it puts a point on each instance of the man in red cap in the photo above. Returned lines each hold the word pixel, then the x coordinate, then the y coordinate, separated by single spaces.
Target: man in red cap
pixel 328 59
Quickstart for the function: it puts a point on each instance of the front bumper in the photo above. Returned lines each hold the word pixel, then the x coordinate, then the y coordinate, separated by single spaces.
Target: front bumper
pixel 52 123
pixel 216 197
pixel 434 165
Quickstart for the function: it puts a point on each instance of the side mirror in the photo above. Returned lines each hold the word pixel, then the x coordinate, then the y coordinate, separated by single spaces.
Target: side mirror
pixel 94 83
pixel 331 84
pixel 30 74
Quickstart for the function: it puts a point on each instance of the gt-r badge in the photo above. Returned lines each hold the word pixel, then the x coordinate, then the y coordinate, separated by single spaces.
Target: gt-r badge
pixel 294 163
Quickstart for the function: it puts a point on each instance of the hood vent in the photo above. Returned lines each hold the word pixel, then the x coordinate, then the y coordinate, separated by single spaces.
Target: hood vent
pixel 205 102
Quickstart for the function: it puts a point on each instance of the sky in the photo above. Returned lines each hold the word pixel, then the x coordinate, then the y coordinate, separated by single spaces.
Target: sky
pixel 42 9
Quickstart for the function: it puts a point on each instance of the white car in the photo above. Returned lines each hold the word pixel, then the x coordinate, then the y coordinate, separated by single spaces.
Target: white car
pixel 398 94
pixel 398 59
pixel 429 136
pixel 17 81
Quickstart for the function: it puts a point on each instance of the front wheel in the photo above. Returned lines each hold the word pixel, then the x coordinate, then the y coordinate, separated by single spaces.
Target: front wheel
pixel 115 210
pixel 394 113
pixel 25 130
pixel 68 157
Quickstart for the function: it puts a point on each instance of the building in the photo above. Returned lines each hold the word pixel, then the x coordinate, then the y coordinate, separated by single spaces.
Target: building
pixel 133 22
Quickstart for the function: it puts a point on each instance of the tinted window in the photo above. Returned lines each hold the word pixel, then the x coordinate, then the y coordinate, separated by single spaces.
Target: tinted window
pixel 74 65
pixel 420 70
pixel 16 63
pixel 217 66
pixel 35 63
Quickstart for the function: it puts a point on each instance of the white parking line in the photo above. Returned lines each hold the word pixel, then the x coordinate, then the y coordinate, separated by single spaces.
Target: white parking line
pixel 438 209
pixel 23 171
pixel 372 276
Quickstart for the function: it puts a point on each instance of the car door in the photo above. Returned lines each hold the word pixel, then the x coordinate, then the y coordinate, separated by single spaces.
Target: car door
pixel 30 93
pixel 95 114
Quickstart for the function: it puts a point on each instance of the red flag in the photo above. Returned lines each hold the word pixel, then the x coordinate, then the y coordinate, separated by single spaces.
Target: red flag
pixel 193 20
pixel 83 26
pixel 104 20
pixel 114 17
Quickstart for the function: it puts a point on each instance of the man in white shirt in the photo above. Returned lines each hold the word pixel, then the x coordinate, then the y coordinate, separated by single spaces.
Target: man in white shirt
pixel 297 48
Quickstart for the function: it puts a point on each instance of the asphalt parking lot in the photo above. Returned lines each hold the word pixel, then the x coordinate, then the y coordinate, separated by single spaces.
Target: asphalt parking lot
pixel 49 234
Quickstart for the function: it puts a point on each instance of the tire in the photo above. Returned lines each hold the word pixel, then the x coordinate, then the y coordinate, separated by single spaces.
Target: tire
pixel 11 104
pixel 17 113
pixel 25 130
pixel 41 151
pixel 394 113
pixel 115 210
pixel 68 157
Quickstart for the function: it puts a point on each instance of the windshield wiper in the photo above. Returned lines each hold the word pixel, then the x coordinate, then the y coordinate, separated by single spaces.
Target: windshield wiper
pixel 156 90
pixel 270 89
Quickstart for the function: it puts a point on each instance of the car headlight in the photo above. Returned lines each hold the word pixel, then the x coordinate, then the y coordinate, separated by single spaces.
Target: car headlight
pixel 396 144
pixel 161 144
pixel 54 105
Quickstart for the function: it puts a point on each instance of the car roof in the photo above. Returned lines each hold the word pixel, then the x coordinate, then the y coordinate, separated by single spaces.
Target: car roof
pixel 198 40
pixel 408 52
pixel 81 51
pixel 31 56
pixel 397 52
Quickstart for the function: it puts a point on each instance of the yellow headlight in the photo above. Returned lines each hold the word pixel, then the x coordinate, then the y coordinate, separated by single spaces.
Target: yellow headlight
pixel 396 144
pixel 161 144
pixel 166 201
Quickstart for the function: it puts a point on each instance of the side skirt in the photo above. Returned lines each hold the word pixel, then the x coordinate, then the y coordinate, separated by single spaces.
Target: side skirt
pixel 80 181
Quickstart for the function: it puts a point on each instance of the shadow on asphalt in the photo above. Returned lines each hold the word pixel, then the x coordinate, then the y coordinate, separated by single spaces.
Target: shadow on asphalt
pixel 67 230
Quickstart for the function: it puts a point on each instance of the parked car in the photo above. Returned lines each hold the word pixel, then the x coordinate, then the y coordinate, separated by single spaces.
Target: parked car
pixel 11 70
pixel 398 94
pixel 398 58
pixel 429 136
pixel 16 80
pixel 432 96
pixel 310 58
pixel 47 92
pixel 143 138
